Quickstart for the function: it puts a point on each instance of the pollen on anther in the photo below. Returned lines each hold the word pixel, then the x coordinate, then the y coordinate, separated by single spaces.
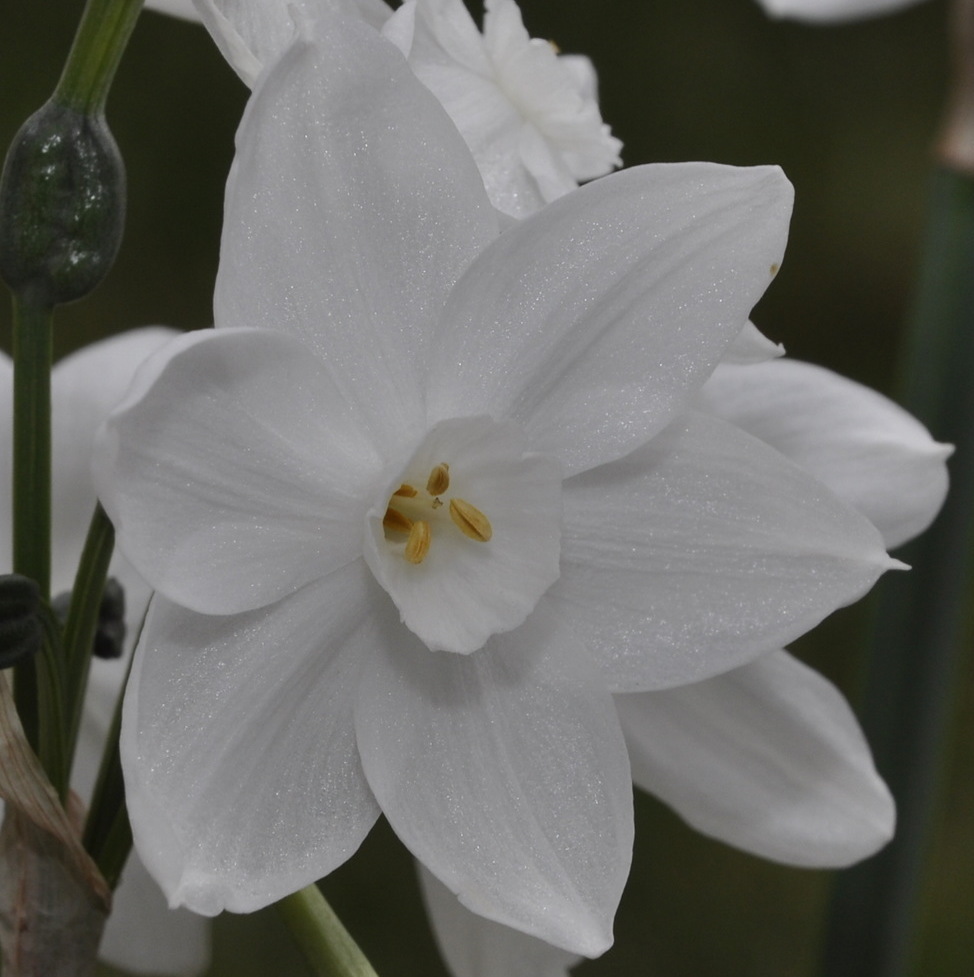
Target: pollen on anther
pixel 470 520
pixel 418 544
pixel 406 491
pixel 439 480
pixel 396 522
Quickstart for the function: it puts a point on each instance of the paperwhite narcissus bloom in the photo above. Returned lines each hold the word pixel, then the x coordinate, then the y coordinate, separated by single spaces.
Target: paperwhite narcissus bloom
pixel 426 497
pixel 142 934
pixel 825 11
pixel 529 115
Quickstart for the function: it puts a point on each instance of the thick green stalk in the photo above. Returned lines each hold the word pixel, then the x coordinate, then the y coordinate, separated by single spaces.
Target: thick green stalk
pixel 326 944
pixel 918 641
pixel 32 341
pixel 95 55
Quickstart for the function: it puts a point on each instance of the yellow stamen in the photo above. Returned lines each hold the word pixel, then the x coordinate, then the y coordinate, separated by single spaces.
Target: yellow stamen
pixel 470 520
pixel 439 480
pixel 396 522
pixel 405 491
pixel 418 544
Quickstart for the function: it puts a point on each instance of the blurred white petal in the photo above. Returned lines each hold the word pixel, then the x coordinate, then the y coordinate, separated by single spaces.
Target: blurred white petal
pixel 768 758
pixel 476 947
pixel 871 453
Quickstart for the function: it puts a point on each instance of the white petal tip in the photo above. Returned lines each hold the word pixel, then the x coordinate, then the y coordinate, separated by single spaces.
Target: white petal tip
pixel 199 894
pixel 893 564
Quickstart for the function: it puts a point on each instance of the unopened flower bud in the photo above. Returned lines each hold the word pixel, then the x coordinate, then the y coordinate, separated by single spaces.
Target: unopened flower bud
pixel 62 205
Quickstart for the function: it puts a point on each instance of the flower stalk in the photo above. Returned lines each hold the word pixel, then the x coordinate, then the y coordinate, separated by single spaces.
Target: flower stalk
pixel 326 944
pixel 82 622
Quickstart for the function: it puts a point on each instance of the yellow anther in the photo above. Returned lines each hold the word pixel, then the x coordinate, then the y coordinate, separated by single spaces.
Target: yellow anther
pixel 405 491
pixel 470 520
pixel 439 480
pixel 396 522
pixel 418 544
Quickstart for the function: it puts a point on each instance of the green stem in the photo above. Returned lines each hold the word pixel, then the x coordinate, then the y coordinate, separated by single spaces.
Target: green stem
pixel 108 833
pixel 102 35
pixel 52 748
pixel 326 944
pixel 32 340
pixel 82 622
pixel 918 640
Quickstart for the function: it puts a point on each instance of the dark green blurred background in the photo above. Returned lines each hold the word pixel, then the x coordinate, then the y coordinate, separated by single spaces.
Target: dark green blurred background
pixel 850 113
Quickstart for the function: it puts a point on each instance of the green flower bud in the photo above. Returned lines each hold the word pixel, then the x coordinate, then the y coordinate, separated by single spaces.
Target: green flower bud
pixel 20 629
pixel 62 205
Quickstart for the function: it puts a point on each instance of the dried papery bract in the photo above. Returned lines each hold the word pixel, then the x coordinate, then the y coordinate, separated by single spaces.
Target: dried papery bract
pixel 53 900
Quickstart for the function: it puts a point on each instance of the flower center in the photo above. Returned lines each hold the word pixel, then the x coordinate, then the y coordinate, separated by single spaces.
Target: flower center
pixel 413 512
pixel 465 535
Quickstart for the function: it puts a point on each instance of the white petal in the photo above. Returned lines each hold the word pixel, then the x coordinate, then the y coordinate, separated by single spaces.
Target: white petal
pixel 352 207
pixel 144 936
pixel 447 54
pixel 768 758
pixel 869 451
pixel 85 386
pixel 824 11
pixel 476 947
pixel 234 471
pixel 592 322
pixel 242 775
pixel 701 551
pixel 752 346
pixel 553 97
pixel 505 773
pixel 254 33
pixel 465 590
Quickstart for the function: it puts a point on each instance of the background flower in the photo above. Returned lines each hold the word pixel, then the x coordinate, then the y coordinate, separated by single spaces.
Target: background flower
pixel 825 11
pixel 142 934
pixel 528 113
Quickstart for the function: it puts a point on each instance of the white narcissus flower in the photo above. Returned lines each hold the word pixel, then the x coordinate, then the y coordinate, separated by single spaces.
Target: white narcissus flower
pixel 529 115
pixel 142 934
pixel 832 11
pixel 426 497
